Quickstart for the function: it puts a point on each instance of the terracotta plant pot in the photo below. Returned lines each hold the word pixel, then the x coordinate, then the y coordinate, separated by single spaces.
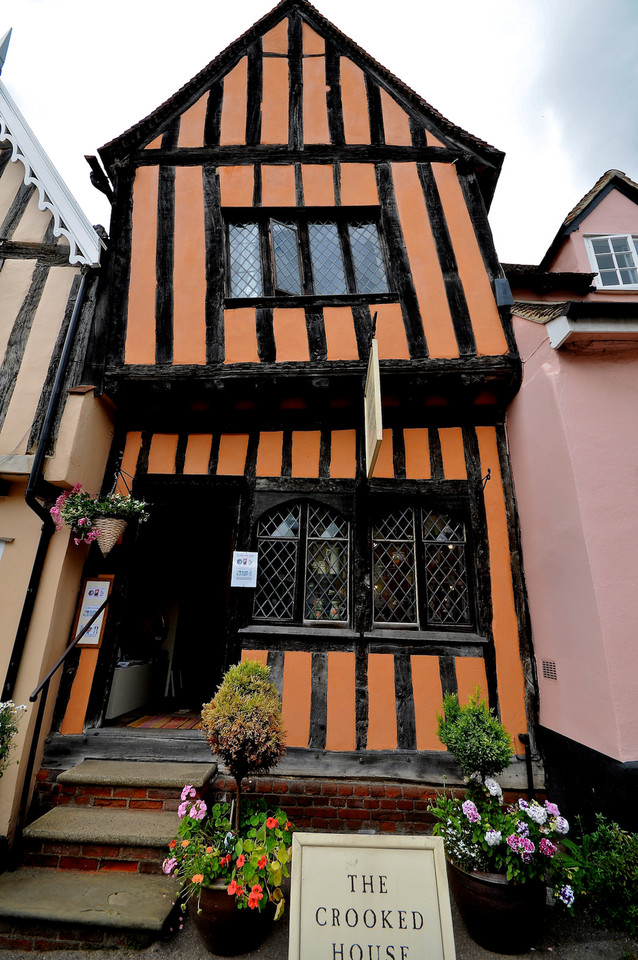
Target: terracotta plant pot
pixel 225 930
pixel 500 916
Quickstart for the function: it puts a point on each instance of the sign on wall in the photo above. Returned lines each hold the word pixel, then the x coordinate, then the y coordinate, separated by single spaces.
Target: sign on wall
pixel 244 572
pixel 94 593
pixel 369 898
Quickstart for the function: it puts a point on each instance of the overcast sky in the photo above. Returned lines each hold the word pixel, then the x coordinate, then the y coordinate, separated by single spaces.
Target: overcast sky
pixel 552 83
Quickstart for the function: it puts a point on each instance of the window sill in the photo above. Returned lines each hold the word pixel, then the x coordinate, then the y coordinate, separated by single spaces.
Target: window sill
pixel 319 300
pixel 307 630
pixel 424 637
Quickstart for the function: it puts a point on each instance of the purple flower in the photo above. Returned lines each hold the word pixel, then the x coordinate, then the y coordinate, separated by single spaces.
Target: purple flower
pixel 547 847
pixel 552 809
pixel 470 811
pixel 181 810
pixel 523 804
pixel 561 825
pixel 565 895
pixel 522 829
pixel 188 791
pixel 536 813
pixel 169 865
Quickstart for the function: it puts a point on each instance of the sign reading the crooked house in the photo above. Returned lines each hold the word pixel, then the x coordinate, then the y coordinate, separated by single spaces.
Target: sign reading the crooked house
pixel 369 898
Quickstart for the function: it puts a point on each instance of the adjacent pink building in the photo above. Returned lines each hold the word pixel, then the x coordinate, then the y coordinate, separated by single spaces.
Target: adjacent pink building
pixel 573 435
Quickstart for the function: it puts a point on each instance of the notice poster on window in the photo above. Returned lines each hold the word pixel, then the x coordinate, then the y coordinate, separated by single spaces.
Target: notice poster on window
pixel 369 898
pixel 244 572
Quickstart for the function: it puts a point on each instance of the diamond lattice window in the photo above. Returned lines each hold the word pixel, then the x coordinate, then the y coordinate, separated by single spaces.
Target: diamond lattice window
pixel 304 562
pixel 244 256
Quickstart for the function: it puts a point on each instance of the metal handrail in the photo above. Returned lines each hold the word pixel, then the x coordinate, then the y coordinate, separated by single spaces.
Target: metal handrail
pixel 71 646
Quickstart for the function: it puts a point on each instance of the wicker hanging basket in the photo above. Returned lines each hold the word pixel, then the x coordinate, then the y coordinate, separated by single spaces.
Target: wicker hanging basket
pixel 111 529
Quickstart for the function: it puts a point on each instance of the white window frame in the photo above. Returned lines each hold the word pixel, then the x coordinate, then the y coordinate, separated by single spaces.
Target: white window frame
pixel 633 244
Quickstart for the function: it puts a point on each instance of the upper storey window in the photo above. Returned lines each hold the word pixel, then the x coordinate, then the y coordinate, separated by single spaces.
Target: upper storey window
pixel 616 260
pixel 305 255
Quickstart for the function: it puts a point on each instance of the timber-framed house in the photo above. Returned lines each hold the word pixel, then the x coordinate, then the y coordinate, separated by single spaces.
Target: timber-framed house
pixel 288 203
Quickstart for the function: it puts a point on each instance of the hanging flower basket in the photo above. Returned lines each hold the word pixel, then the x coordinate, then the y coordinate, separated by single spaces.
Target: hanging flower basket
pixel 110 530
pixel 96 518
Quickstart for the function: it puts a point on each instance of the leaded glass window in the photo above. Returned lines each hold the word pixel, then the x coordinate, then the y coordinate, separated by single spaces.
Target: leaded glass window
pixel 304 562
pixel 304 255
pixel 420 569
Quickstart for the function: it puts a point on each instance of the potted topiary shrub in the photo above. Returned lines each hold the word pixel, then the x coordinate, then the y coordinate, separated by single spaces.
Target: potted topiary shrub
pixel 500 856
pixel 234 857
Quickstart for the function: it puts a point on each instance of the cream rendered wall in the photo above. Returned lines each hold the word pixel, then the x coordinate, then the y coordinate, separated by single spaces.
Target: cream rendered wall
pixel 573 442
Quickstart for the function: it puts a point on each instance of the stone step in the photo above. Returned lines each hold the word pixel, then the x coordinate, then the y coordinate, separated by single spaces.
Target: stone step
pixel 139 773
pixel 105 825
pixel 50 909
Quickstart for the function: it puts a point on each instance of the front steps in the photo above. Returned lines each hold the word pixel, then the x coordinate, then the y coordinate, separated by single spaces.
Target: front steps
pixel 91 874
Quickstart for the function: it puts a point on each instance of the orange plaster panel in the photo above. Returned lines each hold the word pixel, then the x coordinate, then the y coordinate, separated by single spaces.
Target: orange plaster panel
pixel 197 453
pixel 291 334
pixel 340 336
pixel 424 262
pixel 313 43
pixel 382 713
pixel 355 103
pixel 269 455
pixel 417 454
pixel 191 124
pixel 276 40
pixel 486 322
pixel 306 446
pixel 453 453
pixel 343 453
pixel 393 343
pixel 295 700
pixel 384 467
pixel 278 186
pixel 189 270
pixel 428 701
pixel 396 122
pixel 358 185
pixel 80 691
pixel 140 327
pixel 318 184
pixel 258 656
pixel 274 105
pixel 236 185
pixel 470 674
pixel 340 726
pixel 232 454
pixel 129 461
pixel 154 144
pixel 240 332
pixel 233 122
pixel 315 104
pixel 504 623
pixel 161 457
pixel 432 141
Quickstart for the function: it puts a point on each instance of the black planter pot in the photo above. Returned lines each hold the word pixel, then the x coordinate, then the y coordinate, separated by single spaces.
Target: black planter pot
pixel 502 917
pixel 225 930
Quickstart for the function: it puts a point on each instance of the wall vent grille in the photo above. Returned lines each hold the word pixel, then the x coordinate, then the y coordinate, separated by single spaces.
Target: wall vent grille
pixel 549 670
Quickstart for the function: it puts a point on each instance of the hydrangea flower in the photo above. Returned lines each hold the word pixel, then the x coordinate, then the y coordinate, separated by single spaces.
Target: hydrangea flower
pixel 561 825
pixel 522 828
pixel 552 809
pixel 493 838
pixel 470 811
pixel 565 895
pixel 536 813
pixel 493 788
pixel 547 847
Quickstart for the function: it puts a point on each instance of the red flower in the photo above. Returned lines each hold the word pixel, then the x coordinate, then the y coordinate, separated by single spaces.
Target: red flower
pixel 272 822
pixel 288 825
pixel 224 861
pixel 171 845
pixel 256 894
pixel 241 860
pixel 232 888
pixel 261 863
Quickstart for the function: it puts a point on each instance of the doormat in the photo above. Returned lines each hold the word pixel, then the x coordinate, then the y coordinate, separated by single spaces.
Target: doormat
pixel 168 721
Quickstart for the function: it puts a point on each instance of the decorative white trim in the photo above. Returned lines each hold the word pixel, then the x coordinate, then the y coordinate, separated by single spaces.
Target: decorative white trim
pixel 563 329
pixel 54 195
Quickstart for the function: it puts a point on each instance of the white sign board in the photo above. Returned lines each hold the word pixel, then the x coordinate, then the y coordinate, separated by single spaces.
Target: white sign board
pixel 244 572
pixel 369 898
pixel 93 596
pixel 372 409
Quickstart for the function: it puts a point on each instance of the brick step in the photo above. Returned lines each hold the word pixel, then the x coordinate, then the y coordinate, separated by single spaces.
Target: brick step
pixel 57 910
pixel 136 785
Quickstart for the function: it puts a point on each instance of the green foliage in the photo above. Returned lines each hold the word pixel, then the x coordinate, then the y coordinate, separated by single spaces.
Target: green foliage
pixel 80 510
pixel 252 862
pixel 243 722
pixel 9 716
pixel 476 739
pixel 607 875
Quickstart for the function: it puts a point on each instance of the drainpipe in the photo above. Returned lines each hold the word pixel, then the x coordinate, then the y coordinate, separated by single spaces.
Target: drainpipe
pixel 35 478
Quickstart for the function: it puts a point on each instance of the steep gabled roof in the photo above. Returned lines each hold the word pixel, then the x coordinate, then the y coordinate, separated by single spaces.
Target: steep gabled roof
pixel 487 159
pixel 54 195
pixel 611 180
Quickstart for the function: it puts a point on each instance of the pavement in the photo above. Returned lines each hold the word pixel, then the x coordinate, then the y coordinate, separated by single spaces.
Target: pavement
pixel 568 936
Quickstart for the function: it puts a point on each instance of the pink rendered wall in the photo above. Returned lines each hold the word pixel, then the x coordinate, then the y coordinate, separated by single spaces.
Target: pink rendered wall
pixel 573 439
pixel 614 214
